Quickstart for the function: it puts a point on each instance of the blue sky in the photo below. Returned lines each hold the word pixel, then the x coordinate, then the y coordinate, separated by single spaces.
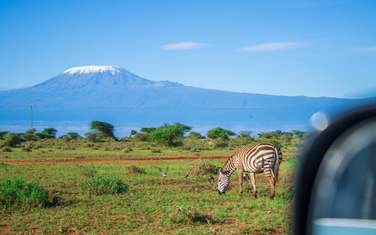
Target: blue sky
pixel 314 48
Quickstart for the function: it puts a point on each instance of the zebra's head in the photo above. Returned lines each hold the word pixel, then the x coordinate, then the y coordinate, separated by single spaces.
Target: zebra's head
pixel 223 181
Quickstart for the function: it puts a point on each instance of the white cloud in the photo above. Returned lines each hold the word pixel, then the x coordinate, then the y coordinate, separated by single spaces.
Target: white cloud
pixel 183 46
pixel 270 46
pixel 368 49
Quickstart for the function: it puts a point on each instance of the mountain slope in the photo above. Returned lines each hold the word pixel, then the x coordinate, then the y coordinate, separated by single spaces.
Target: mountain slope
pixel 114 94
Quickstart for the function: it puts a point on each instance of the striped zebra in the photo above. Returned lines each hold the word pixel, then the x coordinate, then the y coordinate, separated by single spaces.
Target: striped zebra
pixel 252 159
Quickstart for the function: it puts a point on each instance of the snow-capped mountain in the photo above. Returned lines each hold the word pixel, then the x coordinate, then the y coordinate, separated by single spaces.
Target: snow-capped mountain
pixel 115 94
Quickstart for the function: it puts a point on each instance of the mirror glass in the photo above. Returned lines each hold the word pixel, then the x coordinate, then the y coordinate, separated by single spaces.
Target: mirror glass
pixel 344 194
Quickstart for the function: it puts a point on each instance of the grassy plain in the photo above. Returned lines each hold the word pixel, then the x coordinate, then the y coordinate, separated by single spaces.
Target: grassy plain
pixel 153 204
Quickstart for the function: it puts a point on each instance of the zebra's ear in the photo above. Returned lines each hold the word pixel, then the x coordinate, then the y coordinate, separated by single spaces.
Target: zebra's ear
pixel 220 171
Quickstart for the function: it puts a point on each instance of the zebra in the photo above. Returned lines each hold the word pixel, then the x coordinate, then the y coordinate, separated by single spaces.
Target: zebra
pixel 258 158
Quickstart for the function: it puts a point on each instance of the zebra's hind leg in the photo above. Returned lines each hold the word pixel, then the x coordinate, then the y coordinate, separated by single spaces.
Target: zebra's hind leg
pixel 253 182
pixel 272 187
pixel 240 179
pixel 272 182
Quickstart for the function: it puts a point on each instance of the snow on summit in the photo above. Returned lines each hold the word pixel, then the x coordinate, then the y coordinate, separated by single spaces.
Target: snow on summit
pixel 92 69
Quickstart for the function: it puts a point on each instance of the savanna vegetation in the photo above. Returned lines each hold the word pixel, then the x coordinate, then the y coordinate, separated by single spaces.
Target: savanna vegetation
pixel 133 192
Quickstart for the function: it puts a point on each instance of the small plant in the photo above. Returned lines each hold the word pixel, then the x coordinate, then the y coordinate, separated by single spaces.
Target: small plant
pixel 12 140
pixel 190 215
pixel 6 150
pixel 23 194
pixel 88 171
pixel 27 148
pixel 105 184
pixel 155 150
pixel 127 150
pixel 202 168
pixel 136 170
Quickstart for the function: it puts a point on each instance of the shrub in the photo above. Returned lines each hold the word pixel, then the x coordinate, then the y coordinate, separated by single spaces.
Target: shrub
pixel 6 150
pixel 190 215
pixel 127 150
pixel 12 140
pixel 71 136
pixel 220 143
pixel 88 171
pixel 105 184
pixel 31 135
pixel 195 135
pixel 19 193
pixel 93 137
pixel 202 168
pixel 3 134
pixel 155 150
pixel 27 148
pixel 136 170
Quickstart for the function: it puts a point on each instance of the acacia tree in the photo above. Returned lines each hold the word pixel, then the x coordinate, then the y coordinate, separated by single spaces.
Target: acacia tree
pixel 103 128
pixel 49 133
pixel 220 133
pixel 169 134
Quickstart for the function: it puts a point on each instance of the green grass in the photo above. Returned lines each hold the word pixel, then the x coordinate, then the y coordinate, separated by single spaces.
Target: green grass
pixel 153 204
pixel 17 193
pixel 94 198
pixel 104 184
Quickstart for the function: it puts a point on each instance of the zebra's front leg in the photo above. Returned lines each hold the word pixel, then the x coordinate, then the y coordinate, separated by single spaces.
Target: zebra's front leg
pixel 240 180
pixel 253 181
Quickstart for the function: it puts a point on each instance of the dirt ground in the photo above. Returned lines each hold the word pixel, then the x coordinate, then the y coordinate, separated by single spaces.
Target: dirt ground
pixel 108 160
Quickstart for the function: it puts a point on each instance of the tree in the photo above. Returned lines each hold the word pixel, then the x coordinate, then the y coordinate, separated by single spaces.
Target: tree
pixel 103 128
pixel 48 133
pixel 220 133
pixel 195 135
pixel 147 129
pixel 31 135
pixel 71 136
pixel 169 134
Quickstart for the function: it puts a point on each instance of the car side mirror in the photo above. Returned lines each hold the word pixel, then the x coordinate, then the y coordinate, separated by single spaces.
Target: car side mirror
pixel 336 178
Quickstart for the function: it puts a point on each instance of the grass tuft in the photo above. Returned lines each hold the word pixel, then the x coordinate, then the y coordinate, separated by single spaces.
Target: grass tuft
pixel 191 215
pixel 132 169
pixel 22 194
pixel 104 184
pixel 202 168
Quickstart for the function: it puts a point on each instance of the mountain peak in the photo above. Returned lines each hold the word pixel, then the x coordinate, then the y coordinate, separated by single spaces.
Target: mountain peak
pixel 92 69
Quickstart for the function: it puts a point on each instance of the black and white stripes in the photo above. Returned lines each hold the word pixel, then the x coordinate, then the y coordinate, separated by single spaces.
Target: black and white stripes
pixel 260 158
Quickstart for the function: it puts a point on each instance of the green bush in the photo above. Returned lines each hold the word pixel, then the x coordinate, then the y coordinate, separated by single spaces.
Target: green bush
pixel 31 135
pixel 19 193
pixel 88 171
pixel 136 170
pixel 5 150
pixel 105 184
pixel 71 136
pixel 195 135
pixel 155 150
pixel 93 137
pixel 12 140
pixel 190 215
pixel 202 168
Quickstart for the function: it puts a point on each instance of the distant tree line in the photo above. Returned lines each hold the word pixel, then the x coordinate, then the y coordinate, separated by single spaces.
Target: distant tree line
pixel 166 134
